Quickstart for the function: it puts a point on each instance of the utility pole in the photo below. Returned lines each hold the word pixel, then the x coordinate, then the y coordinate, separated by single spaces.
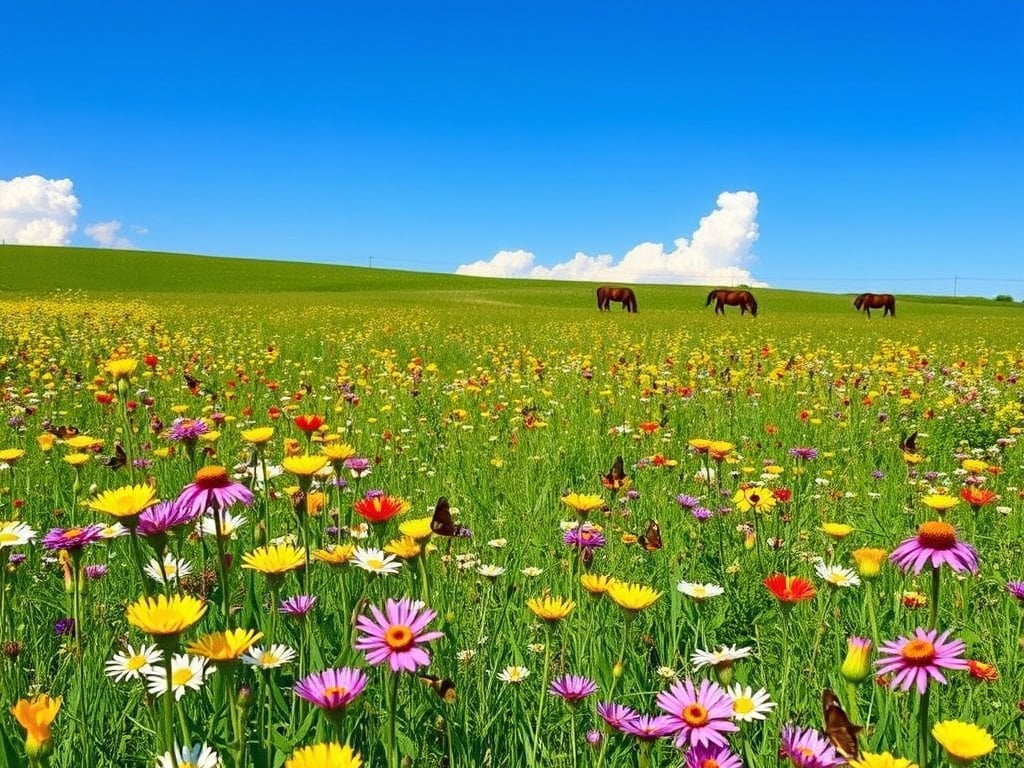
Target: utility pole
pixel 955 278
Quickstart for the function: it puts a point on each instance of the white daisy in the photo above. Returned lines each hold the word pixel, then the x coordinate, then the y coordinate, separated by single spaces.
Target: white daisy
pixel 15 533
pixel 186 672
pixel 195 756
pixel 490 571
pixel 699 592
pixel 513 674
pixel 836 575
pixel 724 656
pixel 229 524
pixel 133 664
pixel 173 569
pixel 375 561
pixel 748 706
pixel 531 571
pixel 268 658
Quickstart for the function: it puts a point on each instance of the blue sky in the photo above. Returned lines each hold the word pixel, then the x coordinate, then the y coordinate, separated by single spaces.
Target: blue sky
pixel 822 146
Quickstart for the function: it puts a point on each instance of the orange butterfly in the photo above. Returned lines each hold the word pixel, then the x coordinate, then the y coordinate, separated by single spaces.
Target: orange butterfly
pixel 443 687
pixel 615 479
pixel 651 538
pixel 840 731
pixel 62 433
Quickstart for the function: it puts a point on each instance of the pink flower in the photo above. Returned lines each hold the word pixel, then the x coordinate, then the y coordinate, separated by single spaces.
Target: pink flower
pixel 916 659
pixel 395 634
pixel 702 756
pixel 807 748
pixel 331 689
pixel 935 543
pixel 212 487
pixel 701 716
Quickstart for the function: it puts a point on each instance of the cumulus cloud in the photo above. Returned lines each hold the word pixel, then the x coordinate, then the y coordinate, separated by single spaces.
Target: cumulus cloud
pixel 37 211
pixel 719 252
pixel 105 233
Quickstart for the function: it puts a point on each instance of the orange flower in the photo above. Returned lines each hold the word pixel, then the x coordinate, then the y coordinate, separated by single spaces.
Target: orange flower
pixel 309 423
pixel 789 589
pixel 982 671
pixel 648 427
pixel 379 508
pixel 977 497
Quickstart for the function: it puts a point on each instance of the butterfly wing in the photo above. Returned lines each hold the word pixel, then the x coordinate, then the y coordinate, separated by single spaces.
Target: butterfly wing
pixel 909 444
pixel 441 523
pixel 651 538
pixel 614 479
pixel 118 460
pixel 443 687
pixel 838 728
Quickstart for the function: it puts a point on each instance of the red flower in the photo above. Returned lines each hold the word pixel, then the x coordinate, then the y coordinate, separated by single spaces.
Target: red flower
pixel 789 589
pixel 379 508
pixel 977 497
pixel 982 671
pixel 782 495
pixel 648 427
pixel 309 423
pixel 104 398
pixel 151 361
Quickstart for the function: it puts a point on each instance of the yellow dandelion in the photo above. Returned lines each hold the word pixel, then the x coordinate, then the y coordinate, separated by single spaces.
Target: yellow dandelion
pixel 224 646
pixel 125 503
pixel 417 528
pixel 963 742
pixel 583 503
pixel 258 435
pixel 550 608
pixel 274 559
pixel 632 597
pixel 165 616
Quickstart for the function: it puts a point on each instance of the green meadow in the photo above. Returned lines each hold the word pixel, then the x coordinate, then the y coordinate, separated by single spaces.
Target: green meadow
pixel 750 447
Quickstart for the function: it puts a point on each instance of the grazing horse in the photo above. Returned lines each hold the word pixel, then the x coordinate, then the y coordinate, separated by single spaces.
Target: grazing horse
pixel 869 301
pixel 742 299
pixel 609 293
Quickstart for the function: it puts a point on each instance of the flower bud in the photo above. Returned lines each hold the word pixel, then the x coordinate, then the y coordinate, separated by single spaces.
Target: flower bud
pixel 857 665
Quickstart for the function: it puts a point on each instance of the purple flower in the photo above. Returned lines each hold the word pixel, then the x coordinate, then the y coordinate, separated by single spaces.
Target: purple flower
pixel 702 756
pixel 650 727
pixel 701 715
pixel 917 659
pixel 357 466
pixel 807 748
pixel 686 501
pixel 1015 588
pixel 395 634
pixel 616 714
pixel 163 517
pixel 332 689
pixel 572 688
pixel 16 558
pixel 187 430
pixel 935 544
pixel 73 538
pixel 95 572
pixel 65 626
pixel 584 536
pixel 298 606
pixel 701 514
pixel 803 454
pixel 877 474
pixel 213 487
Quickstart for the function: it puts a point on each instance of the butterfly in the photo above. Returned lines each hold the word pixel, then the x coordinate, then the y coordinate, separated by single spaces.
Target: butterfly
pixel 443 687
pixel 838 728
pixel 442 524
pixel 651 538
pixel 192 383
pixel 62 433
pixel 909 444
pixel 118 460
pixel 615 479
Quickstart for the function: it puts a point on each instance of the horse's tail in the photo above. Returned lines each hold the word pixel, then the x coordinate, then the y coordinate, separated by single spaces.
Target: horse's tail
pixel 599 297
pixel 710 297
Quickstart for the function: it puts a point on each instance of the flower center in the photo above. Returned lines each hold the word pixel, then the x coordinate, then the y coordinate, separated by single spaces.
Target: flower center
pixel 936 535
pixel 918 653
pixel 709 762
pixel 5 537
pixel 332 691
pixel 743 705
pixel 135 663
pixel 695 715
pixel 398 637
pixel 268 659
pixel 71 533
pixel 212 477
pixel 754 499
pixel 181 676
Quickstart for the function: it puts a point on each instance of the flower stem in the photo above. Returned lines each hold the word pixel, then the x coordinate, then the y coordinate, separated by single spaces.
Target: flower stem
pixel 933 608
pixel 393 759
pixel 922 729
pixel 540 701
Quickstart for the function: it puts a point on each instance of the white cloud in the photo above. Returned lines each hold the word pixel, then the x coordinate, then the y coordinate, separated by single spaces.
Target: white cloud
pixel 719 252
pixel 105 233
pixel 37 211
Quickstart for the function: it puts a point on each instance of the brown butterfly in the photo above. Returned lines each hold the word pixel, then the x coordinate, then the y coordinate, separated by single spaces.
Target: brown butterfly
pixel 192 383
pixel 615 479
pixel 838 728
pixel 442 524
pixel 62 433
pixel 118 460
pixel 443 687
pixel 651 538
pixel 909 444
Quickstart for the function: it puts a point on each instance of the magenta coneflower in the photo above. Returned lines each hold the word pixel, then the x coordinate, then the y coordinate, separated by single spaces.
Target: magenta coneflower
pixel 331 689
pixel 616 715
pixel 700 715
pixel 163 517
pixel 73 538
pixel 187 430
pixel 706 756
pixel 584 536
pixel 395 634
pixel 572 688
pixel 650 727
pixel 213 487
pixel 806 748
pixel 918 658
pixel 1016 589
pixel 935 543
pixel 803 453
pixel 297 606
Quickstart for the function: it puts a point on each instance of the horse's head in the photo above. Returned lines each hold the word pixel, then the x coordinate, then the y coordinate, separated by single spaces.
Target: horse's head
pixel 710 297
pixel 859 300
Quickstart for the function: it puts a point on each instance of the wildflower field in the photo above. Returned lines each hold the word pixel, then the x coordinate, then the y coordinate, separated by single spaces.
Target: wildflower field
pixel 267 514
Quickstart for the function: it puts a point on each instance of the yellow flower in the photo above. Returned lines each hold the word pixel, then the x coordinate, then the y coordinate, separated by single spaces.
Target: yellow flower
pixel 11 455
pixel 331 755
pixel 224 646
pixel 304 466
pixel 338 452
pixel 274 559
pixel 126 502
pixel 963 742
pixel 164 615
pixel 36 715
pixel 550 608
pixel 883 760
pixel 583 503
pixel 857 664
pixel 258 435
pixel 80 442
pixel 77 459
pixel 122 369
pixel 757 498
pixel 869 561
pixel 940 502
pixel 719 449
pixel 700 445
pixel 974 466
pixel 405 547
pixel 417 528
pixel 596 584
pixel 912 458
pixel 632 597
pixel 46 441
pixel 338 555
pixel 837 530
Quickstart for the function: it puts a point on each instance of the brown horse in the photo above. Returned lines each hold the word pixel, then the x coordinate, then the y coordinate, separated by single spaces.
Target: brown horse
pixel 742 299
pixel 869 301
pixel 609 293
